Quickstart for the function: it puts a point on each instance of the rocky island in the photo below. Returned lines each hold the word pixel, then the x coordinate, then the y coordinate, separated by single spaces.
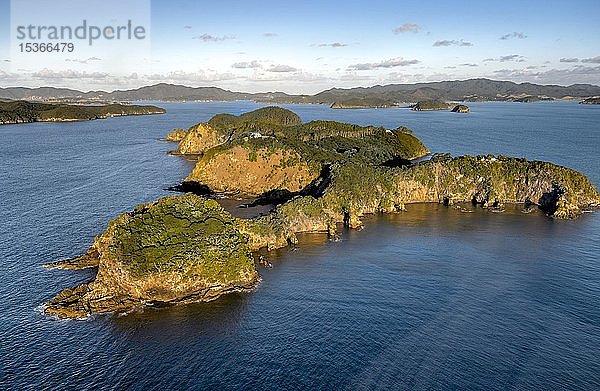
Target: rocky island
pixel 430 105
pixel 16 112
pixel 321 174
pixel 591 101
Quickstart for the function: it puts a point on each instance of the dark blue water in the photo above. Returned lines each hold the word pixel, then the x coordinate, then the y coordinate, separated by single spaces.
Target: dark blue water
pixel 428 299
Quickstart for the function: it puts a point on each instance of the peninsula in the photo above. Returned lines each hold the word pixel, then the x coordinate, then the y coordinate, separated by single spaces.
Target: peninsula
pixel 322 175
pixel 16 112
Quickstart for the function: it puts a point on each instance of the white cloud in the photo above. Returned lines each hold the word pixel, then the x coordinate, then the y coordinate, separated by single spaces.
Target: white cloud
pixel 512 35
pixel 453 42
pixel 212 38
pixel 510 57
pixel 191 77
pixel 48 74
pixel 407 27
pixel 246 64
pixel 333 45
pixel 282 68
pixel 593 60
pixel 391 63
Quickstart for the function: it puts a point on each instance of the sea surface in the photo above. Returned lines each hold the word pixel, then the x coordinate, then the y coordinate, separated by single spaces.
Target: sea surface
pixel 428 299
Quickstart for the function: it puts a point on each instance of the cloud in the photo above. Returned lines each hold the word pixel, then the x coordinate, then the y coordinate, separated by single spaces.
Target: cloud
pixel 6 60
pixel 576 74
pixel 68 74
pixel 391 63
pixel 270 35
pixel 187 27
pixel 212 38
pixel 80 61
pixel 246 65
pixel 333 45
pixel 573 59
pixel 191 77
pixel 453 42
pixel 510 57
pixel 407 27
pixel 466 64
pixel 298 76
pixel 592 60
pixel 282 69
pixel 513 35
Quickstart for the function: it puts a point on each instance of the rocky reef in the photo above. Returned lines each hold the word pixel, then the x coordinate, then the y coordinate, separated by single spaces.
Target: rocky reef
pixel 460 109
pixel 15 112
pixel 591 101
pixel 322 175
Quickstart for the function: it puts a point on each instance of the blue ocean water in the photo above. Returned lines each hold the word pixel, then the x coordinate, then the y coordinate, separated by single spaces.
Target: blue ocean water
pixel 427 299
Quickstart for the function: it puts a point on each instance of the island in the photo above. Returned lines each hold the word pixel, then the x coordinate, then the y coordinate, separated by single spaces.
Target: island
pixel 591 101
pixel 321 175
pixel 16 112
pixel 364 103
pixel 430 105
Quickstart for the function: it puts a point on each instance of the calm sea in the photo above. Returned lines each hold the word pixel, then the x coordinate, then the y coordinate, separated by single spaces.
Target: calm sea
pixel 428 299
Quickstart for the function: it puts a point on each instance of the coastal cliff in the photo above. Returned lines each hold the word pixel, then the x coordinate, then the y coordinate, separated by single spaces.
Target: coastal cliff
pixel 324 174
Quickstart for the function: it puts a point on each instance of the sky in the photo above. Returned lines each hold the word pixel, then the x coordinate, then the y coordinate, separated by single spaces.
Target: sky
pixel 309 46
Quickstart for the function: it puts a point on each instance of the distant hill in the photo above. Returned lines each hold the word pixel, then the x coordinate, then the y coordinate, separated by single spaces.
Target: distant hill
pixel 376 96
pixel 20 111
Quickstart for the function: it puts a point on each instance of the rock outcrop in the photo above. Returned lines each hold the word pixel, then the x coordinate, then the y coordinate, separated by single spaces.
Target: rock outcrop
pixel 460 109
pixel 591 101
pixel 178 249
pixel 176 135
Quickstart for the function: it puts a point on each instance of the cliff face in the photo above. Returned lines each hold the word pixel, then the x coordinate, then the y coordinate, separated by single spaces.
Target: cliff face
pixel 486 180
pixel 253 171
pixel 177 249
pixel 200 138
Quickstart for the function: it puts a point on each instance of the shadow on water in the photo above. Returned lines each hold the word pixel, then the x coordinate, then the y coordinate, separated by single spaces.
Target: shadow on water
pixel 218 317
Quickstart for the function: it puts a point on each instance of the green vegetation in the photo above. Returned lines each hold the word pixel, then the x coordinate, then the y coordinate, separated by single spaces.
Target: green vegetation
pixel 186 234
pixel 22 112
pixel 426 105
